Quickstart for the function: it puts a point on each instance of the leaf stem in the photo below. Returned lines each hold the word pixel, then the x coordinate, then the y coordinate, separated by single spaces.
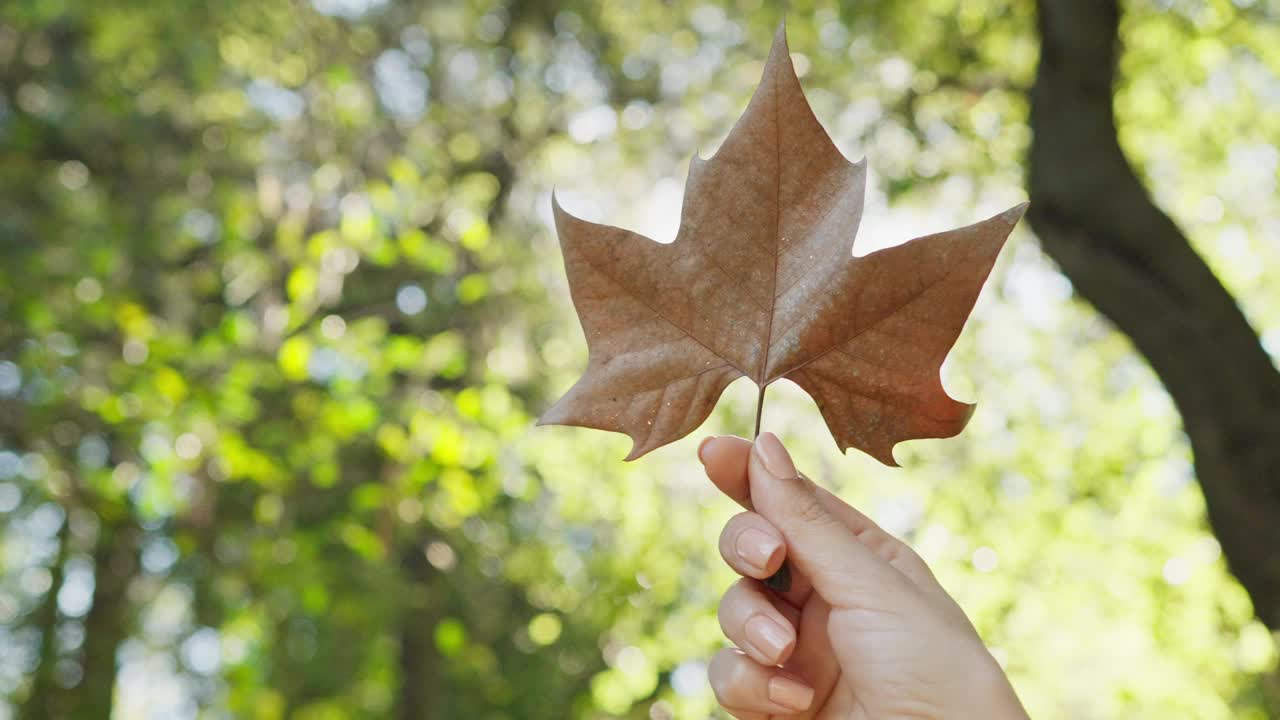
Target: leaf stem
pixel 780 581
pixel 759 410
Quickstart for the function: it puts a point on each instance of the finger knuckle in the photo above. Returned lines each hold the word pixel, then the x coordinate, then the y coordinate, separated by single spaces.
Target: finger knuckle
pixel 893 551
pixel 900 555
pixel 808 507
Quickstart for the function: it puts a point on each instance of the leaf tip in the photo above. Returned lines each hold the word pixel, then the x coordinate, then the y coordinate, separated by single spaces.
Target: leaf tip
pixel 555 415
pixel 779 51
pixel 884 455
pixel 562 217
pixel 696 163
pixel 636 452
pixel 1015 213
pixel 965 414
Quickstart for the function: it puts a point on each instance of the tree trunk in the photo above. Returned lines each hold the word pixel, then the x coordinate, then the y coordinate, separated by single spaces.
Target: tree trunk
pixel 1123 254
pixel 420 662
pixel 43 700
pixel 115 561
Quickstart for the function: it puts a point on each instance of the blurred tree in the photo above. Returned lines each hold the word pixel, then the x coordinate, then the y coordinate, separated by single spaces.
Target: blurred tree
pixel 1097 220
pixel 274 321
pixel 257 304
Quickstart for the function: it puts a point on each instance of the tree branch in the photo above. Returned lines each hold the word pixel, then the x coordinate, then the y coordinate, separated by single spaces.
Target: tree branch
pixel 1096 219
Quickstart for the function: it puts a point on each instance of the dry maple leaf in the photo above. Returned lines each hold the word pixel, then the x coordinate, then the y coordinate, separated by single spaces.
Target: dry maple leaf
pixel 761 281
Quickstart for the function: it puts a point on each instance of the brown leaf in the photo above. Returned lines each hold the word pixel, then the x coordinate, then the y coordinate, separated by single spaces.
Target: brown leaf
pixel 761 282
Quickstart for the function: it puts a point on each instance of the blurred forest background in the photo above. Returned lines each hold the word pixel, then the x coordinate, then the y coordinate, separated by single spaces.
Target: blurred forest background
pixel 279 301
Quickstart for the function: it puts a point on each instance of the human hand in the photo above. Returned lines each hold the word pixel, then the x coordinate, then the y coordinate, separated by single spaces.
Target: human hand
pixel 865 631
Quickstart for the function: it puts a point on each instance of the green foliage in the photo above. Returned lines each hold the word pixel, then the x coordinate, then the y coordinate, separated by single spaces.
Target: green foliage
pixel 279 304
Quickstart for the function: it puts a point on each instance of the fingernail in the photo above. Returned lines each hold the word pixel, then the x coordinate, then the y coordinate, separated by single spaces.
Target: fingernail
pixel 773 456
pixel 768 637
pixel 757 548
pixel 702 445
pixel 789 693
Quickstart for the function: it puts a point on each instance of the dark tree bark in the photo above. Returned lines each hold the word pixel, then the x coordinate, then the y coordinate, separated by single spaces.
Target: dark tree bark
pixel 115 561
pixel 421 667
pixel 1095 218
pixel 43 700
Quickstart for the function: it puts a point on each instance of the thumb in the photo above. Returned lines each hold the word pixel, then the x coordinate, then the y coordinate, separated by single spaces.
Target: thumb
pixel 843 570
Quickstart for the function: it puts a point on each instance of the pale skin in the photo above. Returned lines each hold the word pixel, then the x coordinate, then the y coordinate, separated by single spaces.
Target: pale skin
pixel 865 630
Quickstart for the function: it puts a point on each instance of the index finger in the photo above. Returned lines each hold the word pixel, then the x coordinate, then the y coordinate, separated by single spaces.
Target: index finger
pixel 725 457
